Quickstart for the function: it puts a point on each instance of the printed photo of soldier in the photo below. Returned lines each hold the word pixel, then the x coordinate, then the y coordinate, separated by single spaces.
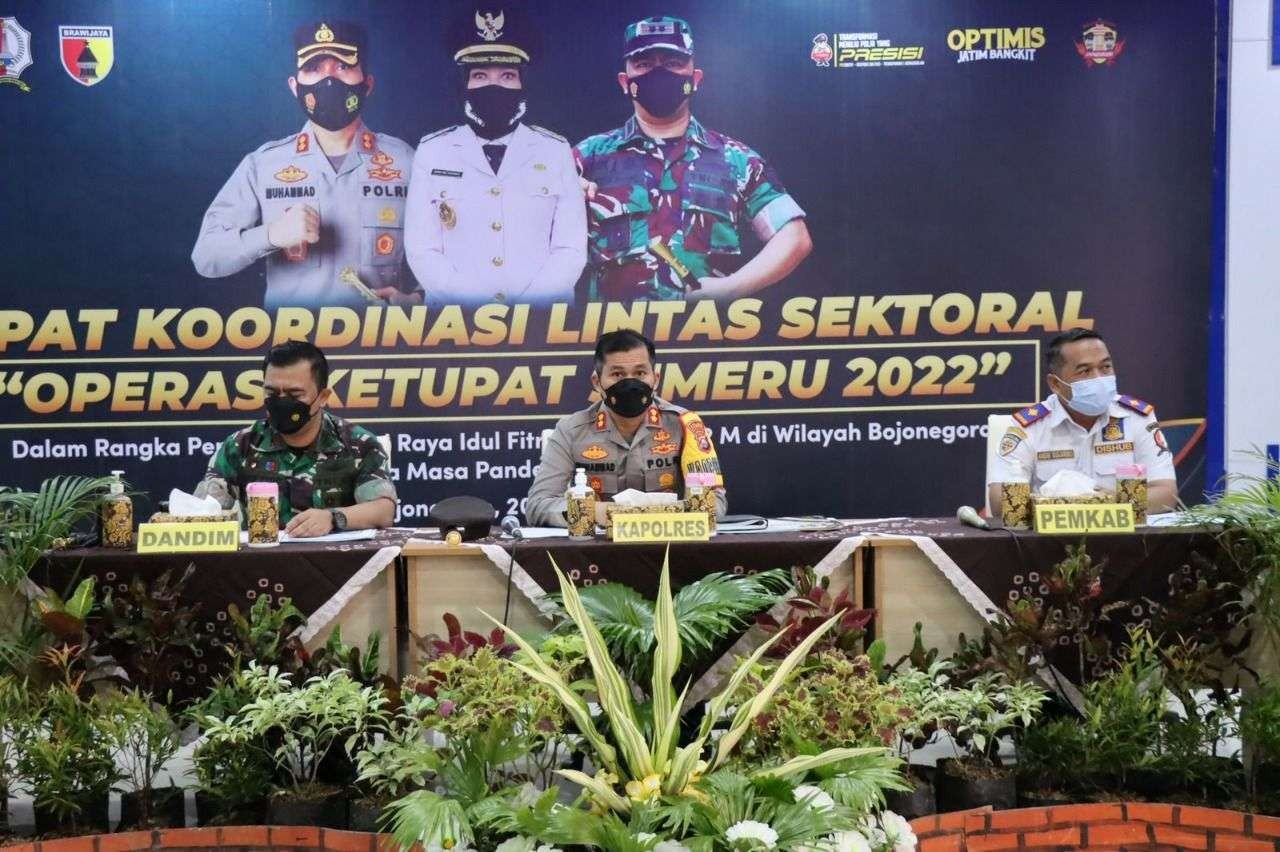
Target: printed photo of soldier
pixel 669 199
pixel 323 206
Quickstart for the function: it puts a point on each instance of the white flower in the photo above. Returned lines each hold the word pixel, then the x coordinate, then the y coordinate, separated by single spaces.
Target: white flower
pixel 516 844
pixel 898 831
pixel 755 833
pixel 849 841
pixel 671 846
pixel 815 798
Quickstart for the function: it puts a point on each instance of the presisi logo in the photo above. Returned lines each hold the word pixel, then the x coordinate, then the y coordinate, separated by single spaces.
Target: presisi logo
pixel 996 43
pixel 869 50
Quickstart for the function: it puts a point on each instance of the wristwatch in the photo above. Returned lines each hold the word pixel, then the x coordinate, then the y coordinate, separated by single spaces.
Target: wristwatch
pixel 339 520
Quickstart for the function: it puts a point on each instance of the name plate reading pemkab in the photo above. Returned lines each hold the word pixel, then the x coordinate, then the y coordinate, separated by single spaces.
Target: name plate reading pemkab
pixel 1080 518
pixel 660 527
pixel 195 537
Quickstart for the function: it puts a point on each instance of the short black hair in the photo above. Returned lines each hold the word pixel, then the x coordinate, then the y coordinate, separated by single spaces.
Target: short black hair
pixel 1053 356
pixel 622 340
pixel 292 351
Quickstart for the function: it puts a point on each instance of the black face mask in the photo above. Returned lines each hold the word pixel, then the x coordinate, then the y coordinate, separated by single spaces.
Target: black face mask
pixel 628 397
pixel 660 92
pixel 331 103
pixel 493 110
pixel 286 414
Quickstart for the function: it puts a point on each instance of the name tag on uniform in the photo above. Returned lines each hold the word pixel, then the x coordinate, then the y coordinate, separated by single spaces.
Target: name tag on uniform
pixel 194 537
pixel 1054 455
pixel 660 527
pixel 1084 518
pixel 446 173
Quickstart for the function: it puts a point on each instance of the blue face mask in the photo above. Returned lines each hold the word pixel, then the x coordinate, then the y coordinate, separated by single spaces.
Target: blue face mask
pixel 1092 397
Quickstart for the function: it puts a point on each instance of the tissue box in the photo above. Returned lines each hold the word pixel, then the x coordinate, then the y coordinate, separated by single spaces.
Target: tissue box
pixel 1037 500
pixel 166 518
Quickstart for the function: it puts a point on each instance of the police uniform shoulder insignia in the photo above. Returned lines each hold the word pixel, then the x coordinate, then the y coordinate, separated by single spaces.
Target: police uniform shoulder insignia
pixel 545 132
pixel 1033 414
pixel 439 133
pixel 655 416
pixel 1012 438
pixel 602 421
pixel 368 141
pixel 1134 404
pixel 304 143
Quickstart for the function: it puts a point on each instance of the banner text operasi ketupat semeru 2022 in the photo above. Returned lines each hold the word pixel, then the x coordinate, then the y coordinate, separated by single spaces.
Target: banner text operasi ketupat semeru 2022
pixel 974 177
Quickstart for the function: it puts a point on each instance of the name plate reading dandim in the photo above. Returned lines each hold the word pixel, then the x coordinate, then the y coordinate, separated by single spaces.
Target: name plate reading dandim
pixel 660 527
pixel 1079 518
pixel 195 537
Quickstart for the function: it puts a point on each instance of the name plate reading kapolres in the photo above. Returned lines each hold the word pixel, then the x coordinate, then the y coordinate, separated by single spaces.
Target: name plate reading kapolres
pixel 1082 518
pixel 195 537
pixel 660 527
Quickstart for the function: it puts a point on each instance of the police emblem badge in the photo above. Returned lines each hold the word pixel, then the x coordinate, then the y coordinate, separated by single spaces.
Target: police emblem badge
pixel 1099 44
pixel 594 452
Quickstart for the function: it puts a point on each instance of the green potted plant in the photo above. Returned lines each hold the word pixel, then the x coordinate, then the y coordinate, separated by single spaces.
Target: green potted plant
pixel 144 738
pixel 652 783
pixel 1260 730
pixel 926 693
pixel 15 715
pixel 987 709
pixel 395 763
pixel 31 524
pixel 66 762
pixel 234 767
pixel 307 721
pixel 148 630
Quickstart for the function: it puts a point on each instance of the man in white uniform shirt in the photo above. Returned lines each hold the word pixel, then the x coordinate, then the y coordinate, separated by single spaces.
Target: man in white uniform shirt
pixel 496 212
pixel 1085 426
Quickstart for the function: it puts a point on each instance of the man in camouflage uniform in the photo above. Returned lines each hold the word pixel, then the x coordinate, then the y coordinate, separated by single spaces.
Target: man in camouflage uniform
pixel 324 206
pixel 631 439
pixel 333 475
pixel 668 198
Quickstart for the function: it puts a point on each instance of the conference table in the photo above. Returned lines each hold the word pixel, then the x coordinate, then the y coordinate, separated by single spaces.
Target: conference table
pixel 949 578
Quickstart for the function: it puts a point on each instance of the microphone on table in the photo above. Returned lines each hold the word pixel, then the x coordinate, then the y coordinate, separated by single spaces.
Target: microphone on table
pixel 969 516
pixel 511 526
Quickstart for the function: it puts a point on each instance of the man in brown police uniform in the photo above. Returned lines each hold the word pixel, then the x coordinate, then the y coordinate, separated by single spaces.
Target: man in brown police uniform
pixel 630 439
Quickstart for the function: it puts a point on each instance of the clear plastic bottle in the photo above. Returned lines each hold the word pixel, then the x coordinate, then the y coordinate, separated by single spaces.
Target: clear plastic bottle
pixel 117 515
pixel 580 502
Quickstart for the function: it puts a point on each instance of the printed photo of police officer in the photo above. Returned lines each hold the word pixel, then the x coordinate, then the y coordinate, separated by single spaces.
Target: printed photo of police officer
pixel 495 211
pixel 323 206
pixel 669 199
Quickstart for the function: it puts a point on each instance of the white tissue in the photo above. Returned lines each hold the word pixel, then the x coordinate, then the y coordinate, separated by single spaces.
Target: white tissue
pixel 633 498
pixel 184 505
pixel 1068 483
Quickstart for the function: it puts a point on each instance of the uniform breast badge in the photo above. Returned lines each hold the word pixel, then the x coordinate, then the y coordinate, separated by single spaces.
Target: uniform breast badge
pixel 448 217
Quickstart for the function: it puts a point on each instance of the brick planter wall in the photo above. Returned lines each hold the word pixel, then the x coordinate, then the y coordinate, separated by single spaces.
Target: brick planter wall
pixel 225 839
pixel 1131 825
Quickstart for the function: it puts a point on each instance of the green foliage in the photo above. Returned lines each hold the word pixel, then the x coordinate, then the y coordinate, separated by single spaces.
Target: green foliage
pixel 142 737
pixel 16 713
pixel 1260 728
pixel 708 611
pixel 149 631
pixel 1247 518
pixel 835 700
pixel 64 753
pixel 33 522
pixel 810 608
pixel 267 634
pixel 305 720
pixel 233 765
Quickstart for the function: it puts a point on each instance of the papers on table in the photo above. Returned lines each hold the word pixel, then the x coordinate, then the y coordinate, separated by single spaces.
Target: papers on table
pixel 349 535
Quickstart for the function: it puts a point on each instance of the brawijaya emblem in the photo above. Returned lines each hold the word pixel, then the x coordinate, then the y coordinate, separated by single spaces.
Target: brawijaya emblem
pixel 88 53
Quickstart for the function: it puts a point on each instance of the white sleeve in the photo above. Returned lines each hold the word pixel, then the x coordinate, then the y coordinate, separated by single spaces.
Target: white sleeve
pixel 1151 450
pixel 1015 458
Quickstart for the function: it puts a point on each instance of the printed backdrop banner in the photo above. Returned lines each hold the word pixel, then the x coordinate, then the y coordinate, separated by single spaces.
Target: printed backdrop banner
pixel 974 176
